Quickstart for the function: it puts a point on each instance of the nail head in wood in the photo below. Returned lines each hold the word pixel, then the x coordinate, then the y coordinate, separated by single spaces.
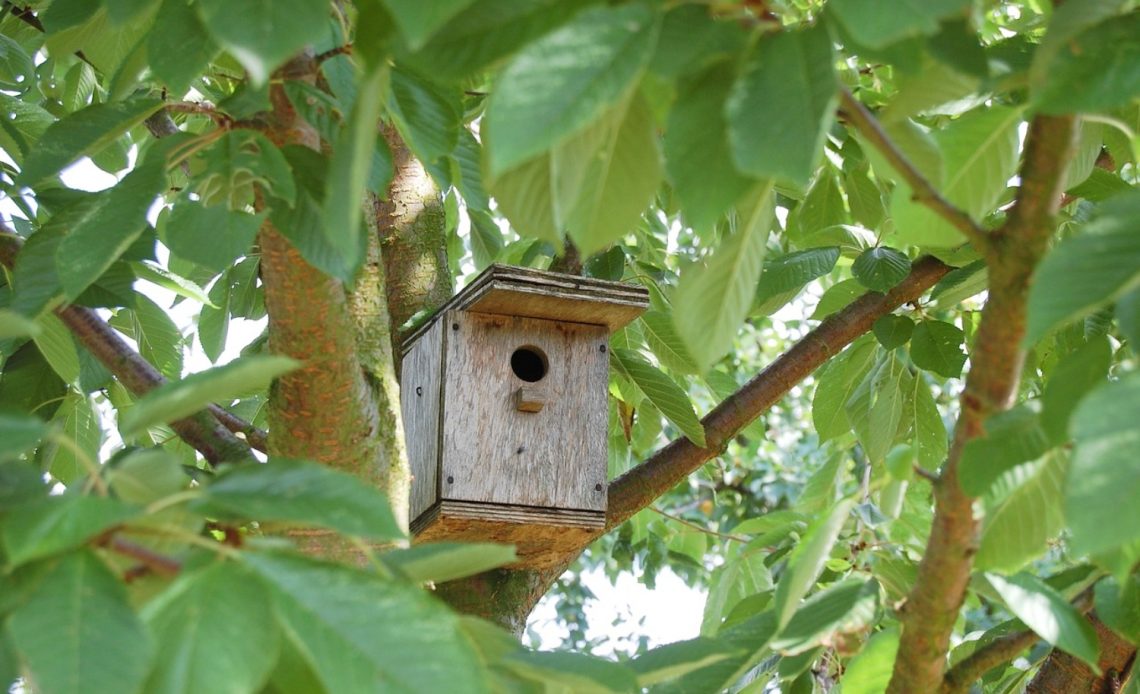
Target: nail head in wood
pixel 529 399
pixel 419 390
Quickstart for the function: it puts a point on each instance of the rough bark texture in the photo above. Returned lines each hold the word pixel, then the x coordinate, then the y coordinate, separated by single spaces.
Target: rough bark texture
pixel 1012 254
pixel 411 225
pixel 1061 673
pixel 327 410
pixel 507 597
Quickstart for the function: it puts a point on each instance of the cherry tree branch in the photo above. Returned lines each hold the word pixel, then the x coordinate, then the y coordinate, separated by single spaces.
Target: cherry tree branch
pixel 924 192
pixel 999 651
pixel 640 486
pixel 202 430
pixel 996 358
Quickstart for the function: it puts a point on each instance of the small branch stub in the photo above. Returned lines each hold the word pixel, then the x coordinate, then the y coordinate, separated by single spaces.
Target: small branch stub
pixel 529 399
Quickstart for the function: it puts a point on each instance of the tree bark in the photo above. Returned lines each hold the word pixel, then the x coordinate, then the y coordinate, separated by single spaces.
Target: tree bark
pixel 1012 254
pixel 410 223
pixel 1062 673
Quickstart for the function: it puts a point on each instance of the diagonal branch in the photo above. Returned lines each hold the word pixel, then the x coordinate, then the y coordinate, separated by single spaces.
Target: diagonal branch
pixel 638 488
pixel 201 430
pixel 924 192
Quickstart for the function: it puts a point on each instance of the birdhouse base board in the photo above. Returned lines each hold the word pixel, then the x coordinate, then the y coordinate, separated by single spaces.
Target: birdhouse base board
pixel 542 536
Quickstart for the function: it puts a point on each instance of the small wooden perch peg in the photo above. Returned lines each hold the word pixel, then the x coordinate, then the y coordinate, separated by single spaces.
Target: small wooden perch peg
pixel 529 399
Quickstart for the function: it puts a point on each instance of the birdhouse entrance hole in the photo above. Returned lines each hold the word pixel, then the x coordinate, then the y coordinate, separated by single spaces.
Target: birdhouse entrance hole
pixel 529 364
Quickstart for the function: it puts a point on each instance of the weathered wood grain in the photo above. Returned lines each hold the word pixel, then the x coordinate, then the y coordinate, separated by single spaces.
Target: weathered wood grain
pixel 492 452
pixel 541 536
pixel 420 381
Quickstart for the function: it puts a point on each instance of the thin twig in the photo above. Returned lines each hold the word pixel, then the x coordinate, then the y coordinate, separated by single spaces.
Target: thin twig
pixel 346 49
pixel 924 192
pixel 699 528
pixel 155 562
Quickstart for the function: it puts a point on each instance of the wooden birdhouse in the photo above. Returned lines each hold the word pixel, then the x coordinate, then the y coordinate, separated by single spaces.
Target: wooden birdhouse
pixel 504 401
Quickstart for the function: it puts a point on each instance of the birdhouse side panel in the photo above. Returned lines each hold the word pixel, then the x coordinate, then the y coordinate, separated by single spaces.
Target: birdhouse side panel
pixel 524 412
pixel 420 380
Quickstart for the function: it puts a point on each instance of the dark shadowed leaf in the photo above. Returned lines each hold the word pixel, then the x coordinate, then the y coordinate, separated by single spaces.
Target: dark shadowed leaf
pixel 937 346
pixel 881 268
pixel 893 331
pixel 300 492
pixel 796 113
pixel 76 632
pixel 190 621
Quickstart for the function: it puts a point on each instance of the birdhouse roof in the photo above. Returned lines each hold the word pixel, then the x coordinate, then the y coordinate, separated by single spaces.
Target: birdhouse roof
pixel 528 293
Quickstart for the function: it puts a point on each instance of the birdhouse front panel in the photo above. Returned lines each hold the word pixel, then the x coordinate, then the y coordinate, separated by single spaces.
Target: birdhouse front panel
pixel 524 412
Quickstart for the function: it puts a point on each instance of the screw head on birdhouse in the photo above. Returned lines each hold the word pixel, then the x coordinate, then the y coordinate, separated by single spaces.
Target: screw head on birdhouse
pixel 503 395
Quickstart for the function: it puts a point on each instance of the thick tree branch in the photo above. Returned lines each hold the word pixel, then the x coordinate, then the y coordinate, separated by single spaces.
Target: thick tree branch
pixel 996 358
pixel 1062 673
pixel 201 430
pixel 999 651
pixel 638 488
pixel 508 596
pixel 924 191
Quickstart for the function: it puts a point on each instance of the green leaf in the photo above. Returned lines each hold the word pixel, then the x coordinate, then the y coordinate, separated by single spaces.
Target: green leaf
pixel 179 399
pixel 930 443
pixel 606 175
pixel 869 672
pixel 665 395
pixel 864 198
pixel 300 492
pixel 1086 272
pixel 18 433
pixel 1118 606
pixel 159 339
pixel 178 46
pixel 448 561
pixel 13 324
pixel 791 273
pixel 80 423
pixel 419 20
pixel 836 385
pixel 1102 481
pixel 960 284
pixel 1072 378
pixel 1024 513
pixel 350 627
pixel 697 155
pixel 428 116
pixel 486 31
pixel 574 671
pixel 211 236
pixel 843 608
pixel 526 197
pixel 187 620
pixel 56 344
pixel 788 84
pixel 81 134
pixel 28 384
pixel 880 269
pixel 821 209
pixel 738 578
pixel 880 23
pixel 877 406
pixel 806 561
pixel 238 159
pixel 1044 611
pixel 348 172
pixel 263 34
pixel 893 331
pixel 666 344
pixel 1096 70
pixel 564 80
pixel 837 297
pixel 1011 438
pixel 749 637
pixel 58 523
pixel 937 346
pixel 679 658
pixel 713 299
pixel 980 154
pixel 101 237
pixel 76 632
